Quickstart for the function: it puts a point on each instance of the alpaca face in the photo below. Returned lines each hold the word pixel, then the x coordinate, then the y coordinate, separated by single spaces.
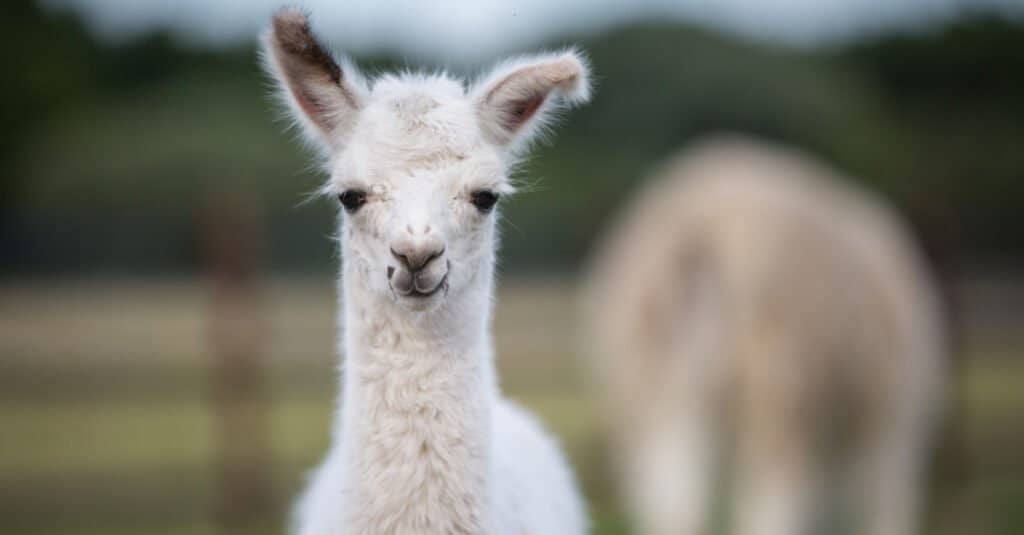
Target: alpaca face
pixel 418 163
pixel 418 189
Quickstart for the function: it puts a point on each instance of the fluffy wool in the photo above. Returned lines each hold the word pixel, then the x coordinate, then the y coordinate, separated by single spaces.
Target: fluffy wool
pixel 751 281
pixel 424 442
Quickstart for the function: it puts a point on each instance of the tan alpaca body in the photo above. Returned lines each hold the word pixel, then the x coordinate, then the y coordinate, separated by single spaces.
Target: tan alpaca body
pixel 749 292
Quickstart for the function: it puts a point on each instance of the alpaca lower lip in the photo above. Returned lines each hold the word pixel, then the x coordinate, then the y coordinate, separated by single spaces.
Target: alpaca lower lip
pixel 421 295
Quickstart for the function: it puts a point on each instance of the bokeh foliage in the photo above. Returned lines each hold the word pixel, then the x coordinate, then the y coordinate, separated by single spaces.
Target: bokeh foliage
pixel 111 151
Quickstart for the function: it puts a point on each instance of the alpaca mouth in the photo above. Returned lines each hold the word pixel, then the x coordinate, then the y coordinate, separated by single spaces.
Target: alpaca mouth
pixel 413 289
pixel 419 284
pixel 442 285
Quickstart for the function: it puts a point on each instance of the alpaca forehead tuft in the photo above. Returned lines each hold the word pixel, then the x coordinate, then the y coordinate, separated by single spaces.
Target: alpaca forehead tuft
pixel 397 86
pixel 411 104
pixel 419 121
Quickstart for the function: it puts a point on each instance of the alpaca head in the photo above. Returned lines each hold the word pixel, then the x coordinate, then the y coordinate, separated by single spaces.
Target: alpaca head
pixel 417 162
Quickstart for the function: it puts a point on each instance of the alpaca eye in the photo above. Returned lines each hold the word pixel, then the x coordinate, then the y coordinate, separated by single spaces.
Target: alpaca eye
pixel 484 200
pixel 352 199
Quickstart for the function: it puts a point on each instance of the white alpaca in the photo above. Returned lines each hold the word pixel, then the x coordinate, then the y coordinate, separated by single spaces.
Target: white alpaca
pixel 424 442
pixel 749 282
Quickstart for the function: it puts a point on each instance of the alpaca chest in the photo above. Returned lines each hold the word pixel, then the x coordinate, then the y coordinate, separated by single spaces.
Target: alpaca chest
pixel 418 445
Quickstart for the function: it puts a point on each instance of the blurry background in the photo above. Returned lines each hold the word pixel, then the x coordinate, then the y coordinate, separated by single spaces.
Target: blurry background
pixel 152 220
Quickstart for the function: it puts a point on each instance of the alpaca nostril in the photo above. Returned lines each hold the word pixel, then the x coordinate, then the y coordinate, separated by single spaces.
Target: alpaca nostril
pixel 391 271
pixel 402 259
pixel 437 254
pixel 414 261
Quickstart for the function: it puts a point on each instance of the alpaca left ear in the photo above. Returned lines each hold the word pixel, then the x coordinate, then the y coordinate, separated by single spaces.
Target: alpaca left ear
pixel 324 95
pixel 519 97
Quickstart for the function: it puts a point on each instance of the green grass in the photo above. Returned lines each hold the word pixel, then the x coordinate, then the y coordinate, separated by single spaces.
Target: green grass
pixel 109 425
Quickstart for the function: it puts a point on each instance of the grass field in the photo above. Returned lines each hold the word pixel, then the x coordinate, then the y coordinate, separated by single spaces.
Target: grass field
pixel 108 426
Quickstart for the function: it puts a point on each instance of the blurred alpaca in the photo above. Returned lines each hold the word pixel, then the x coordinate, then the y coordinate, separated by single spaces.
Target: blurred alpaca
pixel 751 285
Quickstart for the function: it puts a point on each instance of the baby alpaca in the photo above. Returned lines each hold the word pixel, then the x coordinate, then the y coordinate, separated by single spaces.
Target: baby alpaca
pixel 424 443
pixel 751 285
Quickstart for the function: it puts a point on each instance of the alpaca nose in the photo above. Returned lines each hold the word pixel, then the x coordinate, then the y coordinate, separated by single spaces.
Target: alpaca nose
pixel 414 256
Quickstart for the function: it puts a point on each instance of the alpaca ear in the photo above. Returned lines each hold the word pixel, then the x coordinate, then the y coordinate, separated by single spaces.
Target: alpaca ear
pixel 519 97
pixel 323 95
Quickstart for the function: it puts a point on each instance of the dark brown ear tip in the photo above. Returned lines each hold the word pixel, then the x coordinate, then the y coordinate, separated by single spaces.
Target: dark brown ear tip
pixel 291 28
pixel 290 16
pixel 296 49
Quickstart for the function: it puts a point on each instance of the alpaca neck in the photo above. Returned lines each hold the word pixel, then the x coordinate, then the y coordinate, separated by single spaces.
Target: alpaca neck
pixel 415 412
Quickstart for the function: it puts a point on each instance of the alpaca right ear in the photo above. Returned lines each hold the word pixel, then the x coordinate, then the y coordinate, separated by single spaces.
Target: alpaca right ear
pixel 519 97
pixel 324 97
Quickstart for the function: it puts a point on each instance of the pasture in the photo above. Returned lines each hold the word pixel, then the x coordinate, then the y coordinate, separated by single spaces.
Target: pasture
pixel 108 421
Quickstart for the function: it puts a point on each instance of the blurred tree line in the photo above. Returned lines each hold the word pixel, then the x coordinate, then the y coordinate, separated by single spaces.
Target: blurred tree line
pixel 112 153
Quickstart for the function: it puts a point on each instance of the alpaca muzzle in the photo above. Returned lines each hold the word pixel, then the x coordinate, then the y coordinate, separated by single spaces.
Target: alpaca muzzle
pixel 424 282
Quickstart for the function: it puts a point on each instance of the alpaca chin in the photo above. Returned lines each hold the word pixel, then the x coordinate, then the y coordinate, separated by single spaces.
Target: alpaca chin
pixel 420 303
